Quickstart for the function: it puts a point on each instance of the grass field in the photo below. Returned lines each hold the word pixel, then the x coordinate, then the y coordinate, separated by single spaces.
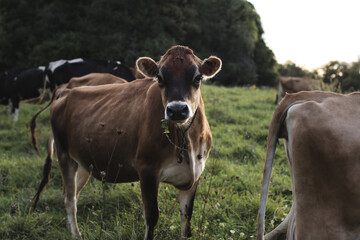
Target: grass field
pixel 226 203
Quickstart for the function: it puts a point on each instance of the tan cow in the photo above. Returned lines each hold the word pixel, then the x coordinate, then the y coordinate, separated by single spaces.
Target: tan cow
pixel 125 120
pixel 321 131
pixel 296 84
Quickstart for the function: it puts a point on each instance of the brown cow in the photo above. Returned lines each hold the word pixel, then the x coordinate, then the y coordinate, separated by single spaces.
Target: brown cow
pixel 125 120
pixel 322 139
pixel 296 84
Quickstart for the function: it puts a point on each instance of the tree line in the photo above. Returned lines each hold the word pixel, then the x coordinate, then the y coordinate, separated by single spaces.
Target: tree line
pixel 34 32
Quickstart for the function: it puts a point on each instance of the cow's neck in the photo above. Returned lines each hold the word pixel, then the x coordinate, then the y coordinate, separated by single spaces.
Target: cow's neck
pixel 188 131
pixel 183 137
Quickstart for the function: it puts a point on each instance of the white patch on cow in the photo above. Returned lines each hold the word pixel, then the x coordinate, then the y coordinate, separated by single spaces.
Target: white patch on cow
pixel 118 62
pixel 16 115
pixel 186 172
pixel 184 200
pixel 199 164
pixel 15 78
pixel 70 205
pixel 115 68
pixel 42 68
pixel 47 78
pixel 146 230
pixel 176 174
pixel 75 60
pixel 55 64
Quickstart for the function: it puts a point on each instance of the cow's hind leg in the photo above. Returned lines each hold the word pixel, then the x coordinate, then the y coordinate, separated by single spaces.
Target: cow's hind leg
pixel 69 169
pixel 149 193
pixel 82 177
pixel 286 229
pixel 186 200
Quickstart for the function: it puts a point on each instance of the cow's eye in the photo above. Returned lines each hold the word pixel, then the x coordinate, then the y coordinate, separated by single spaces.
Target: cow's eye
pixel 197 79
pixel 161 81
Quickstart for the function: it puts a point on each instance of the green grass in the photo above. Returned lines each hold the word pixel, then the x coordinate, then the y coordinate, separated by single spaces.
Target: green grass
pixel 226 203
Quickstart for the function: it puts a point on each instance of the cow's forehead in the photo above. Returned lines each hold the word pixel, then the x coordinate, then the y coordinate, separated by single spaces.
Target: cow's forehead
pixel 179 56
pixel 179 61
pixel 186 72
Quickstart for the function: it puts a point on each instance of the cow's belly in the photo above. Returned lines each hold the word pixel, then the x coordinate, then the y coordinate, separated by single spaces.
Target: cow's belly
pixel 106 157
pixel 114 170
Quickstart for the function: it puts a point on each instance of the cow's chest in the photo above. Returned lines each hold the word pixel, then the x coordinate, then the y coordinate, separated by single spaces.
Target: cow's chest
pixel 183 175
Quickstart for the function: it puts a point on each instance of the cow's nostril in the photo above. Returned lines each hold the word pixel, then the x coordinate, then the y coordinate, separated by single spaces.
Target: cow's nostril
pixel 185 111
pixel 177 111
pixel 170 112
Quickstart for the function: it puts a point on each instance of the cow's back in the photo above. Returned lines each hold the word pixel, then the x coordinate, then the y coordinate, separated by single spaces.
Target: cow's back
pixel 323 143
pixel 95 79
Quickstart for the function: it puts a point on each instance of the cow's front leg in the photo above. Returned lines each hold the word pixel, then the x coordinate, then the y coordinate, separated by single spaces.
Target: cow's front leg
pixel 15 107
pixel 186 199
pixel 149 184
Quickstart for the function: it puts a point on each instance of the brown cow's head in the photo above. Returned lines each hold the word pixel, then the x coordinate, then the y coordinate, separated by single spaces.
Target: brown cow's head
pixel 179 73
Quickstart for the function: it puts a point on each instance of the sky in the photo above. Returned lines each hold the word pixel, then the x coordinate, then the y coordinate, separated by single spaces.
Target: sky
pixel 311 33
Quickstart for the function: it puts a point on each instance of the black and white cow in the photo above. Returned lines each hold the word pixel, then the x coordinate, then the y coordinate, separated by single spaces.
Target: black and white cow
pixel 21 84
pixel 62 71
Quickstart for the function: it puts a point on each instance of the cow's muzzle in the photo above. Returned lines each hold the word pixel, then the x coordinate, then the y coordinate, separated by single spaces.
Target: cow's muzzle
pixel 177 111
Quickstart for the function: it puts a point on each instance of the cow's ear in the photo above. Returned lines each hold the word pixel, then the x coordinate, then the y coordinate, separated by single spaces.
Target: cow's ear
pixel 147 67
pixel 210 67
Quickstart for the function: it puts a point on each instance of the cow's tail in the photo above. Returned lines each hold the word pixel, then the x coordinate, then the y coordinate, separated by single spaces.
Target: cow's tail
pixel 33 124
pixel 46 172
pixel 281 93
pixel 274 134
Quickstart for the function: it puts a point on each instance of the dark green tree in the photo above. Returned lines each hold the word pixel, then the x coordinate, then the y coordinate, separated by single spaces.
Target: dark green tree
pixel 229 29
pixel 291 69
pixel 34 32
pixel 351 82
pixel 266 65
pixel 334 73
